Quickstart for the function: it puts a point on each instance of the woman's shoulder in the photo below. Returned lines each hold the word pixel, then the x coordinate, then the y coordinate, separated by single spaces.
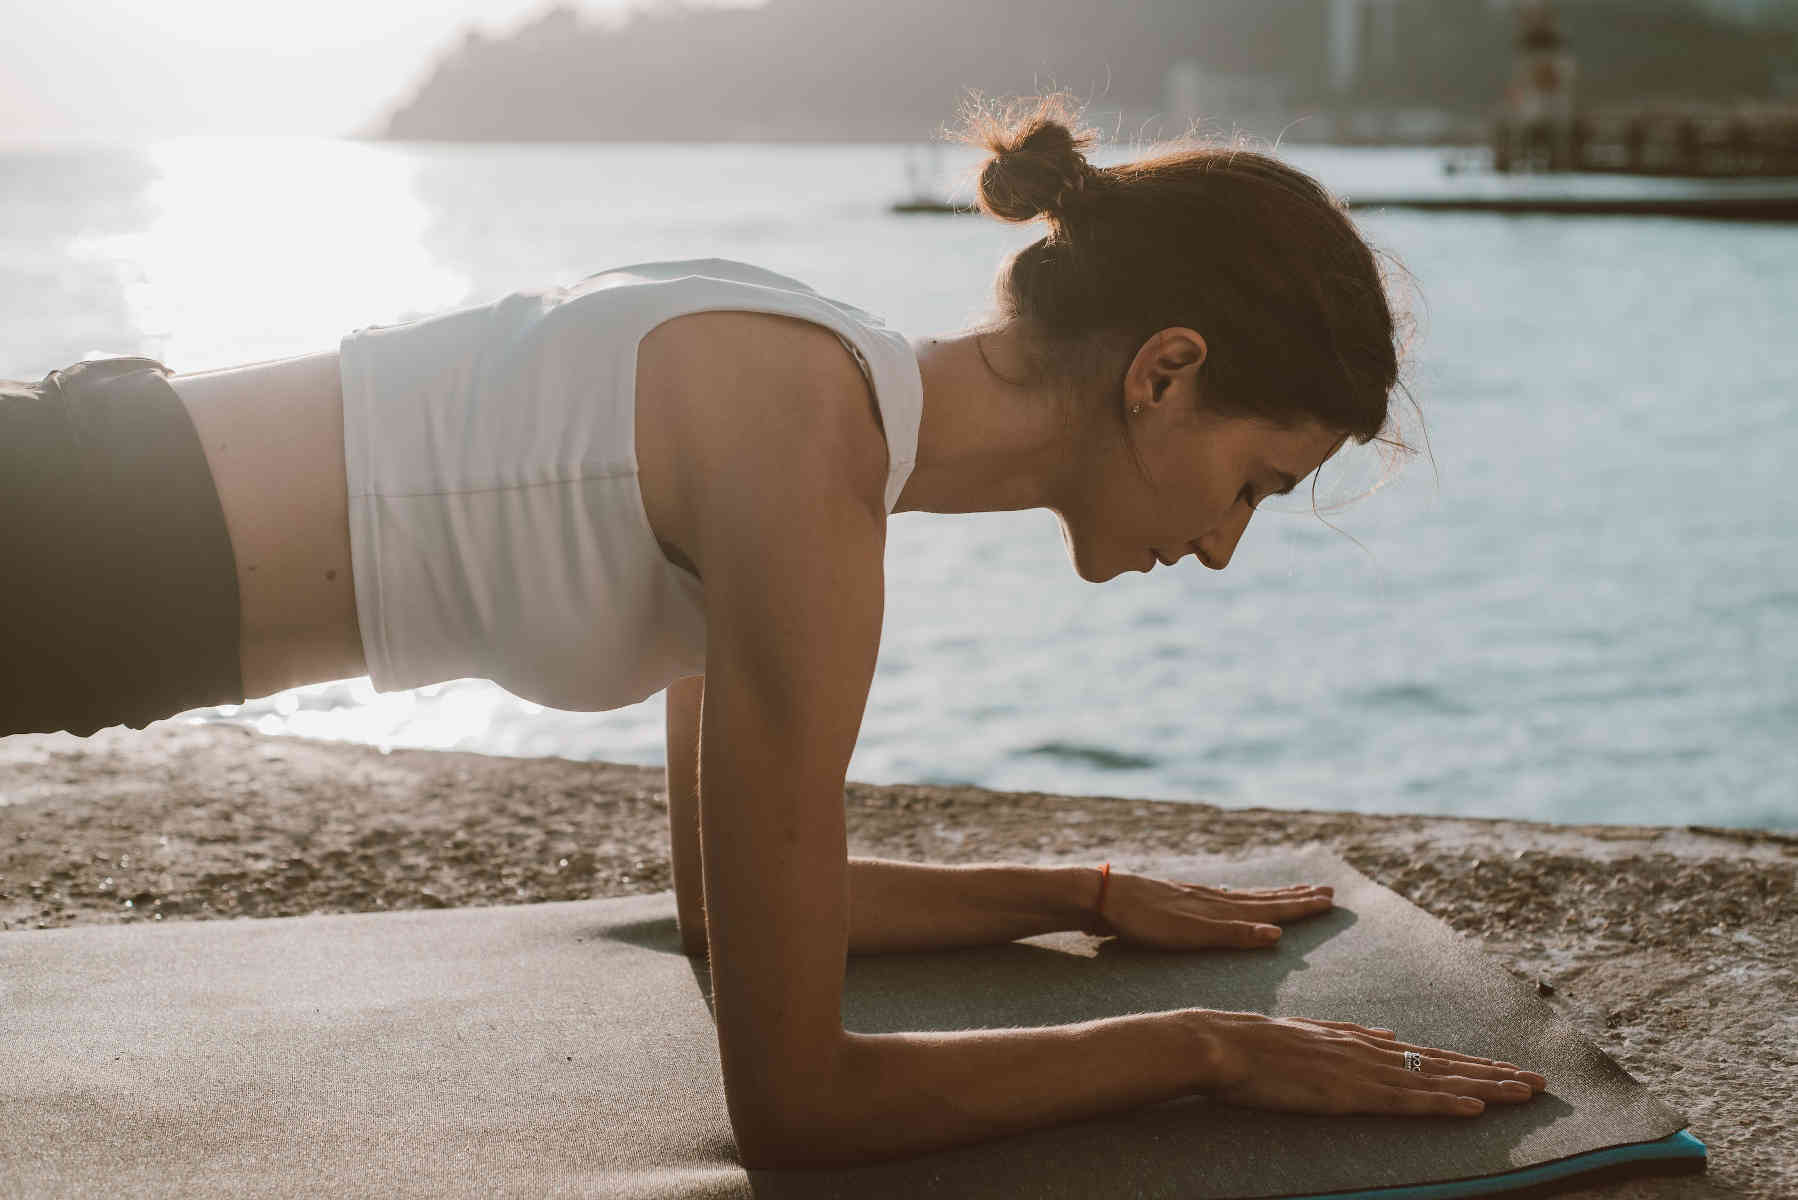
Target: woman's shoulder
pixel 736 404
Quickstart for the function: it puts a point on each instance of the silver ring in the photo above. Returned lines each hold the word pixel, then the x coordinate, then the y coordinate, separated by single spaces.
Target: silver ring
pixel 1413 1061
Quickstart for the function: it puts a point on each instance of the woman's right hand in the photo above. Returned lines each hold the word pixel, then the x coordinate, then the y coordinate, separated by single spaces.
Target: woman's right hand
pixel 1298 1064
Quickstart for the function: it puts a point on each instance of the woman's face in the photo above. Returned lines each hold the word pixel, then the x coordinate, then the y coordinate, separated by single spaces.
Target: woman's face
pixel 1200 475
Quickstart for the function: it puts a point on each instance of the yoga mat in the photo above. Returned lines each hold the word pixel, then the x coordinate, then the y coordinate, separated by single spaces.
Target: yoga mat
pixel 567 1049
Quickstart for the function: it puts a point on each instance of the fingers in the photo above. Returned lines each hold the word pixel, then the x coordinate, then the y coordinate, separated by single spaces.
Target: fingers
pixel 1437 1063
pixel 1447 1084
pixel 1411 1102
pixel 1260 912
pixel 1241 933
pixel 1260 907
pixel 1391 1043
pixel 1279 910
pixel 1397 1047
pixel 1445 1078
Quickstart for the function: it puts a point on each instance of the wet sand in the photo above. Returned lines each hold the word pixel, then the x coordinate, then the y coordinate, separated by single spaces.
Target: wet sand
pixel 1674 949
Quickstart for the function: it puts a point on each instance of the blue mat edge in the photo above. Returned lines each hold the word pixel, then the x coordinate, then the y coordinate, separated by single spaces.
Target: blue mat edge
pixel 1680 1147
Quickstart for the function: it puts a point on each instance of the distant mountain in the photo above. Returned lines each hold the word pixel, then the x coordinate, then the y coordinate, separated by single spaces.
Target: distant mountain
pixel 856 70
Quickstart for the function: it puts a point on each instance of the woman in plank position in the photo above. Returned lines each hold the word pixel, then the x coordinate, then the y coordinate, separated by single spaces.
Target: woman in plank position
pixel 677 475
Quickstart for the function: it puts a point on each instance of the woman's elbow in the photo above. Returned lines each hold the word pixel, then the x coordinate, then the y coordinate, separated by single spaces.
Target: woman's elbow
pixel 792 1143
pixel 799 1121
pixel 761 1152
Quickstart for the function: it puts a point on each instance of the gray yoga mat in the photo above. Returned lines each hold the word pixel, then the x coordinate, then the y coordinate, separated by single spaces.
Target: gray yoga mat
pixel 568 1049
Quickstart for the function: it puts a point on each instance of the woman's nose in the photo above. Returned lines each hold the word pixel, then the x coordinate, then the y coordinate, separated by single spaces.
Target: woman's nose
pixel 1216 548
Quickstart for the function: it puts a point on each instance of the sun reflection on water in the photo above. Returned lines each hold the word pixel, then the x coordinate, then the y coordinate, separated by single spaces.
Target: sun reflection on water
pixel 458 714
pixel 263 247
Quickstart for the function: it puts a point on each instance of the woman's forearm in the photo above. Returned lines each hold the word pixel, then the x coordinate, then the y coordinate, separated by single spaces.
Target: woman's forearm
pixel 894 905
pixel 896 1094
pixel 901 1094
pixel 925 906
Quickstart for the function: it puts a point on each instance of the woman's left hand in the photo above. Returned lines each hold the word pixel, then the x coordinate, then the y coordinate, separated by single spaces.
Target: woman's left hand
pixel 1165 915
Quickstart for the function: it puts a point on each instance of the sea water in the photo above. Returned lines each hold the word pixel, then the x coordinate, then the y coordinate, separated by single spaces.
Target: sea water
pixel 1582 607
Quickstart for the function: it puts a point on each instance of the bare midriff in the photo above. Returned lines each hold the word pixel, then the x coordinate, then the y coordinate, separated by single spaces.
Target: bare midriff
pixel 273 437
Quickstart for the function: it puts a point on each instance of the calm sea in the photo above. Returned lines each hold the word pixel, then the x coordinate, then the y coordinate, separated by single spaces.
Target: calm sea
pixel 1587 610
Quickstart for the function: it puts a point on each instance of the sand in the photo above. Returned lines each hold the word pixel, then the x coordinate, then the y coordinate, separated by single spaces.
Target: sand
pixel 1674 949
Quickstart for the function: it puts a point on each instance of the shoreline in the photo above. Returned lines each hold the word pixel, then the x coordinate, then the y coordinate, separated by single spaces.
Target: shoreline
pixel 1675 949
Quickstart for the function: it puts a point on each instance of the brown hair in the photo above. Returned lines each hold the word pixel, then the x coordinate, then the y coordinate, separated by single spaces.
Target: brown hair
pixel 1257 256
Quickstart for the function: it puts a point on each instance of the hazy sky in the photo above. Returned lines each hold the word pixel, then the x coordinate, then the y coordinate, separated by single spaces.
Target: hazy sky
pixel 125 69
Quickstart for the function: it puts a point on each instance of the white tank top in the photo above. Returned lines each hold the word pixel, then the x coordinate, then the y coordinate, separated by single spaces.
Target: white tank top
pixel 497 528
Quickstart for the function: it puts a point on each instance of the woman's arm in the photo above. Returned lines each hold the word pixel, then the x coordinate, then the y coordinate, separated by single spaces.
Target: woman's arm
pixel 926 906
pixel 792 562
pixel 893 905
pixel 791 554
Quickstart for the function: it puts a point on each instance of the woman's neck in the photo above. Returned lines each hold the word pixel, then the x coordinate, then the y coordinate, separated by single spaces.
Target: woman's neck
pixel 984 445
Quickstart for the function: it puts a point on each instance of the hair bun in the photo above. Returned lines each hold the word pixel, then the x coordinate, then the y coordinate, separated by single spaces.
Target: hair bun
pixel 1037 166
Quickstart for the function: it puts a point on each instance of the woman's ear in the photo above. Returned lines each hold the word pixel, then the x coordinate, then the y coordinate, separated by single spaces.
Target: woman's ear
pixel 1183 347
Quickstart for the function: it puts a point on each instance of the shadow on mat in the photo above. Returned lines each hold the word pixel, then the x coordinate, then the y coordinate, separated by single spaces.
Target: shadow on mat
pixel 1049 979
pixel 661 934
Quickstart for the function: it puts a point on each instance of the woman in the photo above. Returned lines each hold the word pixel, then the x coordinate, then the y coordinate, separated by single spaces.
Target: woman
pixel 678 475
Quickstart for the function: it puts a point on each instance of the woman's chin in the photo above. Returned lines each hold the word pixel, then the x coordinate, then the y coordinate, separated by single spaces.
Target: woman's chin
pixel 1081 570
pixel 1108 563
